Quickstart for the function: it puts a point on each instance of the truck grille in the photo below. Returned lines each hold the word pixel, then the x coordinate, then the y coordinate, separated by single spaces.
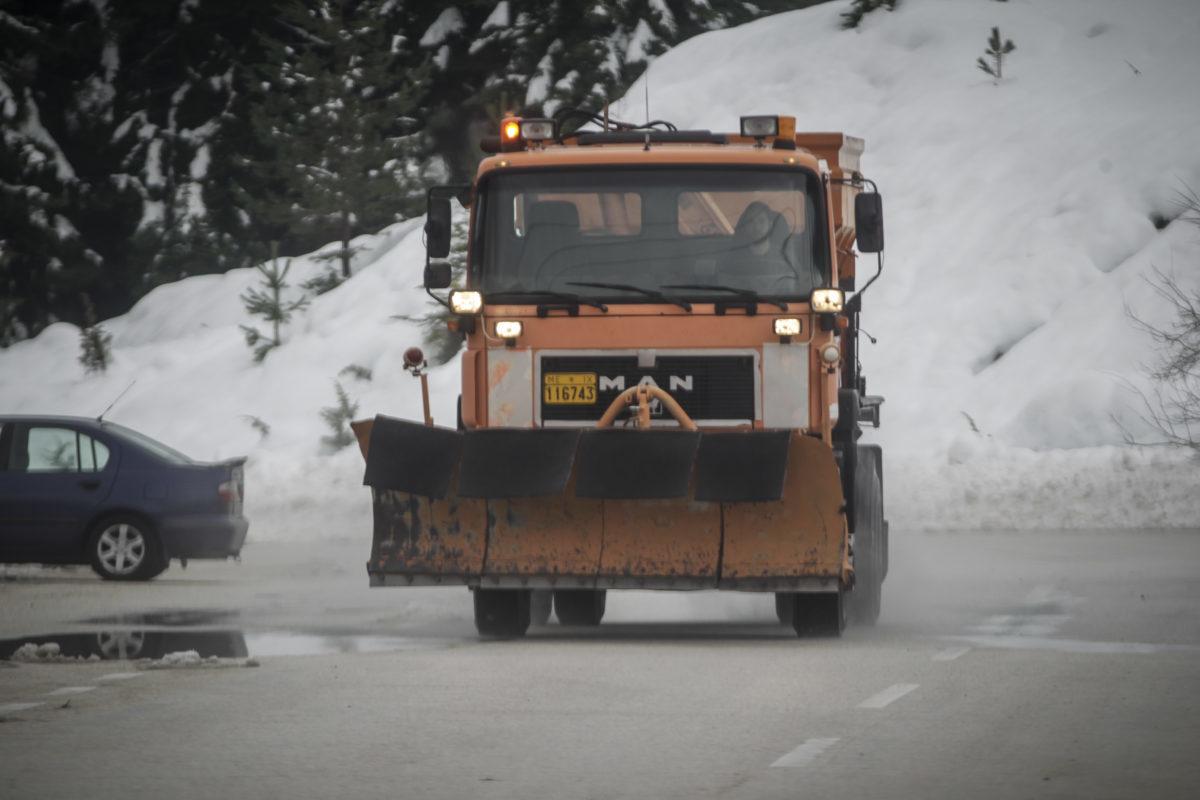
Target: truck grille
pixel 716 388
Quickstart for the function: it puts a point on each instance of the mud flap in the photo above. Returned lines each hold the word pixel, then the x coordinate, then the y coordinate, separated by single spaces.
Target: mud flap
pixel 637 464
pixel 408 457
pixel 742 466
pixel 514 462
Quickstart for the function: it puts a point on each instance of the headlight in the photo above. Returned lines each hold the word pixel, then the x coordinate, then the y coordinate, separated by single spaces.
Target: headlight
pixel 787 327
pixel 827 301
pixel 830 353
pixel 466 302
pixel 508 329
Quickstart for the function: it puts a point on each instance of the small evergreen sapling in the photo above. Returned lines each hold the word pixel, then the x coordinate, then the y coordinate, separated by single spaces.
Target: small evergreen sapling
pixel 270 305
pixel 95 342
pixel 997 50
pixel 860 8
pixel 338 419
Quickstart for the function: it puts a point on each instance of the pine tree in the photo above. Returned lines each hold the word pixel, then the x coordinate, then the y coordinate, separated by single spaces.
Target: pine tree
pixel 860 8
pixel 997 49
pixel 95 343
pixel 331 117
pixel 271 306
pixel 338 419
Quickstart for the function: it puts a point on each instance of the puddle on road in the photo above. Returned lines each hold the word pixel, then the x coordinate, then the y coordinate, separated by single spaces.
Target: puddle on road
pixel 135 636
pixel 164 619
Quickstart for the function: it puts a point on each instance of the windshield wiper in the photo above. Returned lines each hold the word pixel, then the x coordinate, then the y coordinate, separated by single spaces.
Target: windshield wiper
pixel 566 297
pixel 745 294
pixel 653 294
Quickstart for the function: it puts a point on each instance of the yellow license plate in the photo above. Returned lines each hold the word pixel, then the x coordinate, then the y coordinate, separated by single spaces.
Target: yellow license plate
pixel 568 388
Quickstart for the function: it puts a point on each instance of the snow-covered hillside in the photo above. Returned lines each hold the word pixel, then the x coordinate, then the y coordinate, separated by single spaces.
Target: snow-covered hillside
pixel 1023 219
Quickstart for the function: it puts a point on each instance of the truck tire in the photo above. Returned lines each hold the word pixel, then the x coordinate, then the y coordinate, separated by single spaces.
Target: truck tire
pixel 579 606
pixel 785 606
pixel 870 543
pixel 502 613
pixel 540 603
pixel 819 614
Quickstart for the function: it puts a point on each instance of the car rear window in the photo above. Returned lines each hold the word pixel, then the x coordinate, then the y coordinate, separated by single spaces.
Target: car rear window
pixel 156 448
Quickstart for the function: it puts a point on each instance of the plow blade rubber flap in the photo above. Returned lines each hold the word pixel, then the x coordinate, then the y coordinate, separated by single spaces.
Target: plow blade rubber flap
pixel 636 464
pixel 408 457
pixel 743 467
pixel 505 462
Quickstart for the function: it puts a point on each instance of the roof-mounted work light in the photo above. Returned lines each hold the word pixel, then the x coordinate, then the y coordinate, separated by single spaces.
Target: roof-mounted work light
pixel 781 129
pixel 537 130
pixel 760 127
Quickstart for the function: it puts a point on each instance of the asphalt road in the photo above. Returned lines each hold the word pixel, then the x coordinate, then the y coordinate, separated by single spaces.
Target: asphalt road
pixel 1055 664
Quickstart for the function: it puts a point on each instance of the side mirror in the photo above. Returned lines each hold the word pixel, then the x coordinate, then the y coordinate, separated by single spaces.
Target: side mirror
pixel 437 275
pixel 437 228
pixel 868 221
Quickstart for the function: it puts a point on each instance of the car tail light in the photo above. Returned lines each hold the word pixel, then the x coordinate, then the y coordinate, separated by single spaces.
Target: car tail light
pixel 230 491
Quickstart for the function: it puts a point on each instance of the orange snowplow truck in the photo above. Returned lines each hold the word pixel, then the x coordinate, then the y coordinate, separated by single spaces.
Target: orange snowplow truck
pixel 660 387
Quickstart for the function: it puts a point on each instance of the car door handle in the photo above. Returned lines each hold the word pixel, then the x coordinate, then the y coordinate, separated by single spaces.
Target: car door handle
pixel 90 484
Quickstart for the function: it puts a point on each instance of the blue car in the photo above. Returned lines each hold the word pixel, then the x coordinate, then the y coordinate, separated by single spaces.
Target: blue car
pixel 75 490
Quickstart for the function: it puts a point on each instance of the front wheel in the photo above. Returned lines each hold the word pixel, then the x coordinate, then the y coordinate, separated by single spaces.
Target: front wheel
pixel 579 606
pixel 785 606
pixel 870 545
pixel 819 614
pixel 125 548
pixel 502 613
pixel 540 603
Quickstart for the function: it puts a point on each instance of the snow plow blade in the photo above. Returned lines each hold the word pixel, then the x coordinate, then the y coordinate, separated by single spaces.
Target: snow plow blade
pixel 750 510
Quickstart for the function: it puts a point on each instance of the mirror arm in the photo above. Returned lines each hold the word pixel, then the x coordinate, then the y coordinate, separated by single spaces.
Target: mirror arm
pixel 443 301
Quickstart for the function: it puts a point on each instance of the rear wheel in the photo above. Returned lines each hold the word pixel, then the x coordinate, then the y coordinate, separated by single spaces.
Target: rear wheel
pixel 819 614
pixel 502 613
pixel 869 544
pixel 125 548
pixel 579 606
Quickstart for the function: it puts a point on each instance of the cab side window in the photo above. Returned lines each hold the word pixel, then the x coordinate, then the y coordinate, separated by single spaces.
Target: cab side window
pixel 60 450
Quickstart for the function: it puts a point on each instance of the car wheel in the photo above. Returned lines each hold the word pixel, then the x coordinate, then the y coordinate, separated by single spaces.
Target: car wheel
pixel 125 548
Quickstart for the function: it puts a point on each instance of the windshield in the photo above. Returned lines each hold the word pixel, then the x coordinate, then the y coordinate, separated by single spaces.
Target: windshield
pixel 741 228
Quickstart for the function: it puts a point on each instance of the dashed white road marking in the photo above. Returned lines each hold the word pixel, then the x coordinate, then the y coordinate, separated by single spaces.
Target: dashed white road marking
pixel 950 653
pixel 1072 645
pixel 70 690
pixel 9 708
pixel 805 753
pixel 888 695
pixel 119 676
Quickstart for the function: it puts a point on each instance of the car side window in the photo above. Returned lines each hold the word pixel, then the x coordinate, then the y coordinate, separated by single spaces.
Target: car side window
pixel 64 450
